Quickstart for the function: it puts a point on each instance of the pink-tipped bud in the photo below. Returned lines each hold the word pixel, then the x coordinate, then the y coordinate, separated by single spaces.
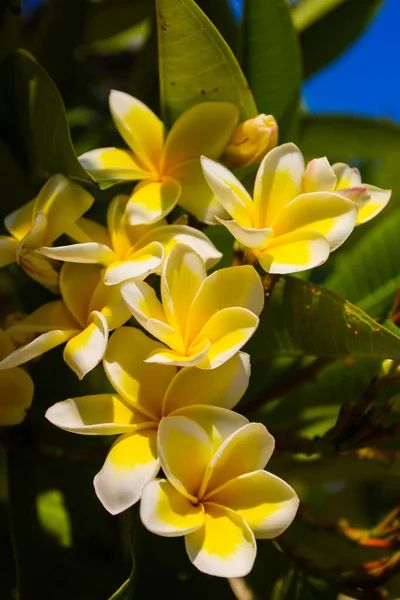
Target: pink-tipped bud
pixel 251 141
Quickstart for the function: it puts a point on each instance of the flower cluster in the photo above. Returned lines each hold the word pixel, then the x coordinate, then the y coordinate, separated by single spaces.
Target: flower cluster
pixel 174 357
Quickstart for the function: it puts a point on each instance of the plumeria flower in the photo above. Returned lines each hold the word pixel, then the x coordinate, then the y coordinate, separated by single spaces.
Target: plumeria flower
pixel 126 251
pixel 16 387
pixel 375 200
pixel 83 318
pixel 220 500
pixel 168 167
pixel 298 216
pixel 202 320
pixel 38 223
pixel 251 141
pixel 147 394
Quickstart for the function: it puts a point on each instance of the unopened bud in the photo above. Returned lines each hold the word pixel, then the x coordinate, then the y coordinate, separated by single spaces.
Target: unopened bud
pixel 251 141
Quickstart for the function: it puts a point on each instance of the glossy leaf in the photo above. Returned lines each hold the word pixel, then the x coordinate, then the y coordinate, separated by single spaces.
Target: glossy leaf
pixel 36 120
pixel 195 62
pixel 302 318
pixel 324 39
pixel 271 57
pixel 369 274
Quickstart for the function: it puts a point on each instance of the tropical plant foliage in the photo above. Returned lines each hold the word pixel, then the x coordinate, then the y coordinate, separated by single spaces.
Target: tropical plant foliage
pixel 325 354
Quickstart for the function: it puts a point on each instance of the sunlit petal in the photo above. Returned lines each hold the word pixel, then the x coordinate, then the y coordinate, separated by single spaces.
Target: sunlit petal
pixel 131 463
pixel 195 357
pixel 109 302
pixel 141 129
pixel 166 512
pixel 170 235
pixel 108 165
pixel 248 237
pixel 89 252
pixel 152 200
pixel 86 230
pixel 233 286
pixel 183 273
pixel 267 503
pixel 205 128
pixel 100 414
pixel 179 437
pixel 43 343
pixel 229 191
pixel 85 351
pixel 224 546
pixel 196 196
pixel 138 265
pixel 223 386
pixel 294 252
pixel 278 182
pixel 141 384
pixel 347 177
pixel 143 303
pixel 118 226
pixel 319 176
pixel 246 450
pixel 20 221
pixel 377 202
pixel 327 213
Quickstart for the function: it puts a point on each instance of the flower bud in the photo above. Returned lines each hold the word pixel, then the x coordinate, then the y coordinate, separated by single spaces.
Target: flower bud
pixel 250 142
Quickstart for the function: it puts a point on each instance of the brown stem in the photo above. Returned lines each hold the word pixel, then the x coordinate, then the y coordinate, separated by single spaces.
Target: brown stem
pixel 240 589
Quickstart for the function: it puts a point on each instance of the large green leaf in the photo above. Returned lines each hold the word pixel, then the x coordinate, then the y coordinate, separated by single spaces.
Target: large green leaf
pixel 325 38
pixel 36 125
pixel 302 318
pixel 369 275
pixel 271 57
pixel 195 62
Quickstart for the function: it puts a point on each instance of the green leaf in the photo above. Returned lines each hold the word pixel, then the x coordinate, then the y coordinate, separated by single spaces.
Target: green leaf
pixel 302 318
pixel 271 54
pixel 369 274
pixel 195 62
pixel 36 125
pixel 325 39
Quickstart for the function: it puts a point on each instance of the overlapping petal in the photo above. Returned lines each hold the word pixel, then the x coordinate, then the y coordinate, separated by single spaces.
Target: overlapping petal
pixel 163 510
pixel 249 237
pixel 77 285
pixel 205 128
pixel 279 180
pixel 152 200
pixel 108 301
pixel 192 358
pixel 171 235
pixel 327 213
pixel 246 450
pixel 131 463
pixel 319 176
pixel 266 502
pixel 138 265
pixel 224 546
pixel 85 351
pixel 223 386
pixel 294 252
pixel 142 385
pixel 88 252
pixel 378 199
pixel 8 249
pixel 180 437
pixel 229 192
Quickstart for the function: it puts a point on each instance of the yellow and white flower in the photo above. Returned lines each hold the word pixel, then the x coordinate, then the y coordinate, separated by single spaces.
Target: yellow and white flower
pixel 202 320
pixel 16 387
pixel 220 500
pixel 375 200
pixel 168 167
pixel 299 214
pixel 83 318
pixel 126 251
pixel 58 205
pixel 251 141
pixel 146 394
